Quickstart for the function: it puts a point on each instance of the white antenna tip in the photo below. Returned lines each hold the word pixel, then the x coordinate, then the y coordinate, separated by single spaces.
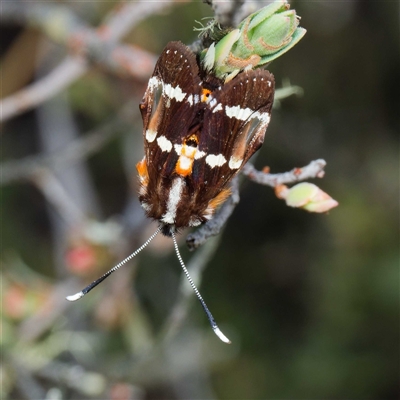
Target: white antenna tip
pixel 221 335
pixel 75 297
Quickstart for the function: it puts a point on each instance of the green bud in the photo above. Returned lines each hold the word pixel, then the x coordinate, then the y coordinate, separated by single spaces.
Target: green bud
pixel 260 38
pixel 274 33
pixel 308 197
pixel 269 32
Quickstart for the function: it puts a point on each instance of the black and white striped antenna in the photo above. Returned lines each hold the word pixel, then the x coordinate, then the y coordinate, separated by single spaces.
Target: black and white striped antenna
pixel 213 324
pixel 88 288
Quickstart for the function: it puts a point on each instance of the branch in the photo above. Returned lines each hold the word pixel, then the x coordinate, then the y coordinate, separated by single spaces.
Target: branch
pixel 97 45
pixel 35 94
pixel 72 32
pixel 226 11
pixel 248 7
pixel 56 195
pixel 78 149
pixel 313 170
pixel 214 226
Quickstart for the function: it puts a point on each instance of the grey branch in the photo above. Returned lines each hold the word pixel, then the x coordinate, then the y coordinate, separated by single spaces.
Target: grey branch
pixel 96 45
pixel 81 148
pixel 56 195
pixel 248 7
pixel 58 79
pixel 226 11
pixel 214 226
pixel 121 19
pixel 313 170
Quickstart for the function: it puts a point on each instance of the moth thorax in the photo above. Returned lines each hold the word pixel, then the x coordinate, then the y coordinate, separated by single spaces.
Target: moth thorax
pixel 187 152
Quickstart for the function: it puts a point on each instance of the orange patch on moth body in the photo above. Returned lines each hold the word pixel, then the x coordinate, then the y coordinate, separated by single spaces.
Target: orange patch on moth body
pixel 205 94
pixel 186 157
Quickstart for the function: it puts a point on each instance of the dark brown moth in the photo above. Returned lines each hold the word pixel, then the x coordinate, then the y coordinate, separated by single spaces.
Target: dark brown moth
pixel 198 133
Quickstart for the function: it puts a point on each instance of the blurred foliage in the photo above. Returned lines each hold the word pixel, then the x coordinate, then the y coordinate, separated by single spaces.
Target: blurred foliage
pixel 311 302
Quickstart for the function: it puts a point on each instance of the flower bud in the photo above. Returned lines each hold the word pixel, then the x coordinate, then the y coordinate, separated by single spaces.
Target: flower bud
pixel 260 38
pixel 307 196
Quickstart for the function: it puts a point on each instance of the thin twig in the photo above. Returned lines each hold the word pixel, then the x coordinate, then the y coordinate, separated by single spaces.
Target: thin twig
pixel 225 11
pixel 72 32
pixel 248 7
pixel 313 170
pixel 60 78
pixel 99 45
pixel 56 195
pixel 78 149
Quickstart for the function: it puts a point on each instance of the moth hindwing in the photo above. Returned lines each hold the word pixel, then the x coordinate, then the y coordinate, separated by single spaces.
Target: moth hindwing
pixel 198 133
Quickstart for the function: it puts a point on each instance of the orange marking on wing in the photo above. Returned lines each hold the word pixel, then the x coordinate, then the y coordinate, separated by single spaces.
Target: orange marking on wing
pixel 157 114
pixel 141 167
pixel 219 199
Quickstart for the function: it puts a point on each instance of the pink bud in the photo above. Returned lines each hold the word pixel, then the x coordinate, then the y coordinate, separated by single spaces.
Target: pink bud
pixel 308 197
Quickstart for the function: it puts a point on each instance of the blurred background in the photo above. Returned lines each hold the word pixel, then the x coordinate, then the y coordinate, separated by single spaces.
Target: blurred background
pixel 310 302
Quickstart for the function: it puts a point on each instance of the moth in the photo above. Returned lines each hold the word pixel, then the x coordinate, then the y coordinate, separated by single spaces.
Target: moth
pixel 198 133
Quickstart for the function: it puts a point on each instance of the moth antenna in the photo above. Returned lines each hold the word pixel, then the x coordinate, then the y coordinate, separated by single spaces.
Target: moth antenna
pixel 88 288
pixel 213 324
